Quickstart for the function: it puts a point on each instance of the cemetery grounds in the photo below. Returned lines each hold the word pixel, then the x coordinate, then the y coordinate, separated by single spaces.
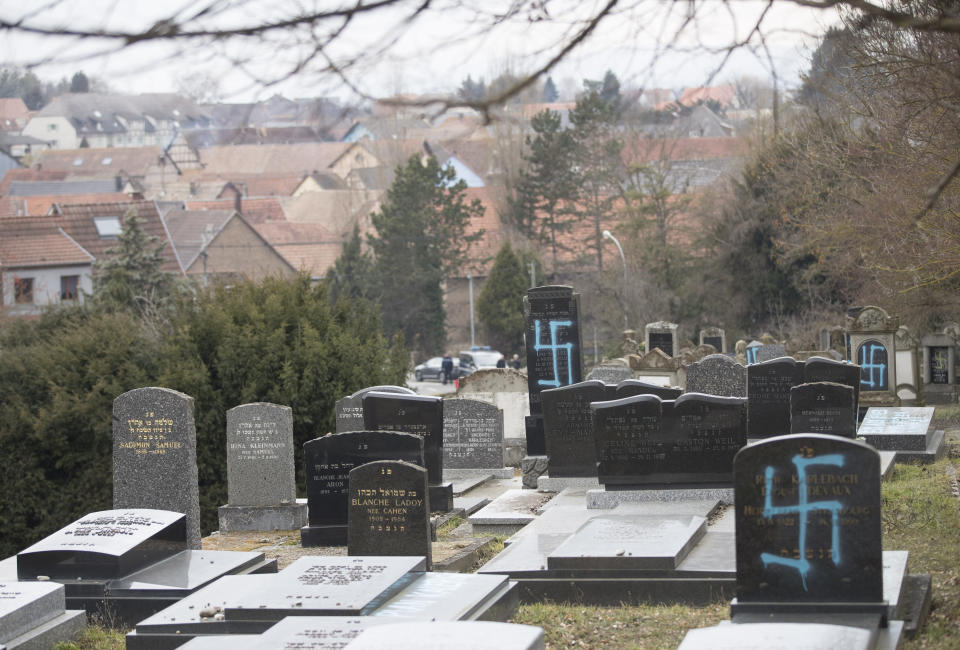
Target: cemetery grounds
pixel 921 514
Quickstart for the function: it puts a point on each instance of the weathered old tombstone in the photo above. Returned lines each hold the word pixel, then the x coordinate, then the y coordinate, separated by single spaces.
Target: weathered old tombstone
pixel 655 367
pixel 349 410
pixel 104 545
pixel 823 407
pixel 507 390
pixel 769 351
pixel 808 537
pixel 261 480
pixel 554 348
pixel 714 336
pixel 389 513
pixel 717 374
pixel 420 415
pixel 155 455
pixel 34 615
pixel 644 441
pixel 328 461
pixel 662 335
pixel 768 393
pixel 909 368
pixel 569 429
pixel 939 360
pixel 840 372
pixel 473 438
pixel 872 338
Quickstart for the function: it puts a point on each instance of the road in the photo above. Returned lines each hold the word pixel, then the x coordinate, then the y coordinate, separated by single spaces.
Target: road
pixel 429 387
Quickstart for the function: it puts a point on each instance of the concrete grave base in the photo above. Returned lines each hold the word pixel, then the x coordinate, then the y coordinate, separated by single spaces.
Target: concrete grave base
pixel 561 483
pixel 279 517
pixel 63 627
pixel 455 474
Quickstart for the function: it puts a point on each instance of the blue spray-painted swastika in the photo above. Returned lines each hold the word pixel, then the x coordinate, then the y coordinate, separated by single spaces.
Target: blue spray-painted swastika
pixel 872 357
pixel 803 510
pixel 554 349
pixel 752 354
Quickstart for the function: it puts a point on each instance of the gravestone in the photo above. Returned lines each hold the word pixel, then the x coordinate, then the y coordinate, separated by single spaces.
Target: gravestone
pixel 328 461
pixel 808 536
pixel 472 436
pixel 631 387
pixel 34 615
pixel 902 429
pixel 389 513
pixel 104 545
pixel 768 393
pixel 349 410
pixel 420 415
pixel 939 368
pixel 507 390
pixel 568 426
pixel 690 441
pixel 782 636
pixel 662 335
pixel 714 336
pixel 823 407
pixel 470 635
pixel 840 372
pixel 769 351
pixel 155 455
pixel 554 348
pixel 872 340
pixel 717 374
pixel 261 483
pixel 610 374
pixel 909 367
pixel 323 586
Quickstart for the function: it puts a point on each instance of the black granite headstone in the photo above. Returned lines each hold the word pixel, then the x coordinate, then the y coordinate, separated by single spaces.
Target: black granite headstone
pixel 389 512
pixel 839 372
pixel 715 341
pixel 417 414
pixel 939 365
pixel 823 407
pixel 644 441
pixel 768 392
pixel 568 426
pixel 808 524
pixel 662 340
pixel 631 387
pixel 554 350
pixel 349 410
pixel 472 435
pixel 874 362
pixel 105 545
pixel 328 461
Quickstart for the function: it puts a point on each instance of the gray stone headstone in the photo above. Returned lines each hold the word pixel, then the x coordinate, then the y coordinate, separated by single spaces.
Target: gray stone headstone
pixel 471 635
pixel 717 374
pixel 25 605
pixel 155 455
pixel 771 351
pixel 898 428
pixel 609 374
pixel 323 586
pixel 260 469
pixel 782 636
pixel 388 513
pixel 349 410
pixel 472 435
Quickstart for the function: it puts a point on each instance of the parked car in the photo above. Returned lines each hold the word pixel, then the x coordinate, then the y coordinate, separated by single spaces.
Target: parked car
pixel 480 358
pixel 432 370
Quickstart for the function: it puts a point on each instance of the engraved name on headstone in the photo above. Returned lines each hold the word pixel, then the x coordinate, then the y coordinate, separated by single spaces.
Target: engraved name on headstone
pixel 823 407
pixel 349 410
pixel 768 391
pixel 260 469
pixel 569 428
pixel 472 435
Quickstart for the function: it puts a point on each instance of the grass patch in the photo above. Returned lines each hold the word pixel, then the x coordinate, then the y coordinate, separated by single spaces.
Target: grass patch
pixel 96 637
pixel 489 551
pixel 449 526
pixel 947 416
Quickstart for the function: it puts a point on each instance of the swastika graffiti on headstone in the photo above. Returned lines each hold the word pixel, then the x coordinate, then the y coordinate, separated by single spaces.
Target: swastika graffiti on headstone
pixel 803 509
pixel 872 357
pixel 554 349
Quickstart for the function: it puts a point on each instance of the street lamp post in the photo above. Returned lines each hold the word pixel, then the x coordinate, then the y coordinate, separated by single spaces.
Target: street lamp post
pixel 609 235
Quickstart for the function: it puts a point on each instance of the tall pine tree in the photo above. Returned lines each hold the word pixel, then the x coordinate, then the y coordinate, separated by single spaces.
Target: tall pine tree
pixel 500 306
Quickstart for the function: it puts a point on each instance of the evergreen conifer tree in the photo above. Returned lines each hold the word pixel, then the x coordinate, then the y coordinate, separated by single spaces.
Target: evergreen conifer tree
pixel 500 306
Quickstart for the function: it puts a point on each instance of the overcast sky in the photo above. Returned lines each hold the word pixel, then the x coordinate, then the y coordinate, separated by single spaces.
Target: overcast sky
pixel 432 53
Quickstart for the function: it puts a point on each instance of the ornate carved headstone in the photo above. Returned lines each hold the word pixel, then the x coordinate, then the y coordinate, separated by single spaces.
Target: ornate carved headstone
pixel 716 337
pixel 155 455
pixel 662 335
pixel 717 374
pixel 872 340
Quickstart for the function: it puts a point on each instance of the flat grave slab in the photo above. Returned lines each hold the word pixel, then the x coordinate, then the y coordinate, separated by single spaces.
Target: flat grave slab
pixel 512 509
pixel 104 545
pixel 467 635
pixel 63 627
pixel 561 483
pixel 605 499
pixel 24 605
pixel 907 430
pixel 629 542
pixel 464 483
pixel 323 585
pixel 183 573
pixel 777 636
pixel 469 504
pixel 452 597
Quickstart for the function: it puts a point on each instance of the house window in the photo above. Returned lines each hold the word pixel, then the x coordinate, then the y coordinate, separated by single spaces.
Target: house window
pixel 68 287
pixel 51 127
pixel 23 291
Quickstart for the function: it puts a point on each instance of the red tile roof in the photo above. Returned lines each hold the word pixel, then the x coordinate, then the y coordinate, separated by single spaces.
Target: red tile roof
pixel 305 246
pixel 38 241
pixel 103 163
pixel 646 150
pixel 36 205
pixel 254 210
pixel 29 174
